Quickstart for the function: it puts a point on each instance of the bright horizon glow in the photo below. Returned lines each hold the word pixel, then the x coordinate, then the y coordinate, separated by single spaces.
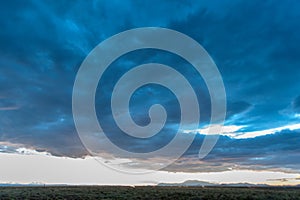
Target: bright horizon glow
pixel 44 168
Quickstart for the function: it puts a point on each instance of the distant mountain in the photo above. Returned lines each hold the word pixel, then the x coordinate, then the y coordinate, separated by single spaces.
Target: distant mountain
pixel 10 185
pixel 29 185
pixel 189 183
pixel 196 183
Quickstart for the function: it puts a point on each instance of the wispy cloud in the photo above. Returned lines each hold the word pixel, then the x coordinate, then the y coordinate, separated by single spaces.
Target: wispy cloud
pixel 9 108
pixel 234 131
pixel 228 130
pixel 252 134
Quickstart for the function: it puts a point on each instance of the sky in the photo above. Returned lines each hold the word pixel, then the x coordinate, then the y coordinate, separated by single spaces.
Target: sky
pixel 254 44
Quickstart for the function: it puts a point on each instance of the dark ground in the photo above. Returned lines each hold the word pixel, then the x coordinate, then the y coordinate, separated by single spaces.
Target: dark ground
pixel 147 192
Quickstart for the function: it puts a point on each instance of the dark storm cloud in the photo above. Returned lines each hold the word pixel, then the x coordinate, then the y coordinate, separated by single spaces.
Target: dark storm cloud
pixel 254 44
pixel 42 46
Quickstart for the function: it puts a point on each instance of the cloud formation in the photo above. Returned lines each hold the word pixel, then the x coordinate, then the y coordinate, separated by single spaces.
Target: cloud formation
pixel 254 44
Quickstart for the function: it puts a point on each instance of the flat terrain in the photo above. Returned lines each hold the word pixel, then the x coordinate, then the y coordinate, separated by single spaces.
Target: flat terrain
pixel 147 192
